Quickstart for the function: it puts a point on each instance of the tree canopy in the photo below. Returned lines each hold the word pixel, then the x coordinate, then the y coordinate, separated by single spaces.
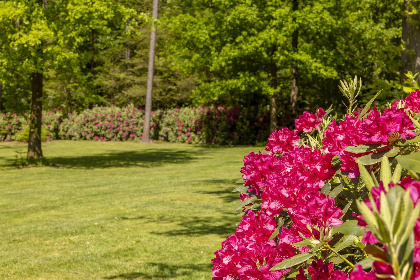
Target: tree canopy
pixel 236 52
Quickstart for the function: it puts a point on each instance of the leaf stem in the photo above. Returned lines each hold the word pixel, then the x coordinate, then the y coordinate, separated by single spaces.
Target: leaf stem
pixel 340 256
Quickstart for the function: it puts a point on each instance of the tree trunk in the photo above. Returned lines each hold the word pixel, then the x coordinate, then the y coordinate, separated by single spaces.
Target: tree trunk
pixel 273 100
pixel 411 37
pixel 149 90
pixel 294 70
pixel 34 144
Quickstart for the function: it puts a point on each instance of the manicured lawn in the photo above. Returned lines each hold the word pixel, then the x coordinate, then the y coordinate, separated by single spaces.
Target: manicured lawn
pixel 116 210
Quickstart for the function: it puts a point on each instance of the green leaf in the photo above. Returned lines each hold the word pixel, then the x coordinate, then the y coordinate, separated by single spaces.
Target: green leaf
pixel 412 219
pixel 326 188
pixel 303 243
pixel 336 191
pixel 407 89
pixel 385 233
pixel 335 260
pixel 405 256
pixel 375 181
pixel 247 201
pixel 377 157
pixel 396 177
pixel 350 228
pixel 396 216
pixel 367 107
pixel 414 140
pixel 415 122
pixel 385 211
pixel 406 208
pixel 410 162
pixel 295 260
pixel 274 234
pixel 346 208
pixel 394 198
pixel 364 174
pixel 363 148
pixel 385 173
pixel 277 231
pixel 376 252
pixel 316 248
pixel 369 218
pixel 241 189
pixel 365 263
pixel 344 242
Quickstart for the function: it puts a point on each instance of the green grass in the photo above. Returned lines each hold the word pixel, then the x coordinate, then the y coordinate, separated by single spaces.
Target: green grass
pixel 116 210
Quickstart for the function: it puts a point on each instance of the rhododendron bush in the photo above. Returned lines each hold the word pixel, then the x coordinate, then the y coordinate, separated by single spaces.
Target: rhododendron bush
pixel 204 125
pixel 331 199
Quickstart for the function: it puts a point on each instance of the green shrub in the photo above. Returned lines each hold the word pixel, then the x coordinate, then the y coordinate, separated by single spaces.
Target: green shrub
pixel 23 135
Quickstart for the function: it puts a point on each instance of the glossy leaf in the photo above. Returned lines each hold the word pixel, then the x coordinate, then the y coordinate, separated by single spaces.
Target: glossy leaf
pixel 410 162
pixel 386 174
pixel 364 174
pixel 350 228
pixel 295 260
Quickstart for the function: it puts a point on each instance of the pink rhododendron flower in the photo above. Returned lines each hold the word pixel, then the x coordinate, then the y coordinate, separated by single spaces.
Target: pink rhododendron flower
pixel 322 271
pixel 318 211
pixel 382 268
pixel 257 170
pixel 412 102
pixel 359 274
pixel 249 253
pixel 308 122
pixel 374 129
pixel 282 141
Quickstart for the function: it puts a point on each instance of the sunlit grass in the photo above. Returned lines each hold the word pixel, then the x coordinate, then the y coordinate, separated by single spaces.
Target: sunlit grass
pixel 116 210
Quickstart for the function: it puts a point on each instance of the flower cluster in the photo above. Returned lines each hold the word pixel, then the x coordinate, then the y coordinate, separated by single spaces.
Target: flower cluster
pixel 289 189
pixel 308 122
pixel 249 253
pixel 104 124
pixel 204 125
pixel 10 126
pixel 373 128
pixel 287 180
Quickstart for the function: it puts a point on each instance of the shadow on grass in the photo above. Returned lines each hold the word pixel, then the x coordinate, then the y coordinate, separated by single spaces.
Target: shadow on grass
pixel 226 193
pixel 193 226
pixel 146 159
pixel 196 226
pixel 164 271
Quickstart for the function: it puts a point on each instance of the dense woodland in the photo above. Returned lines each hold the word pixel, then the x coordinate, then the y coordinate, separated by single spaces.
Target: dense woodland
pixel 283 56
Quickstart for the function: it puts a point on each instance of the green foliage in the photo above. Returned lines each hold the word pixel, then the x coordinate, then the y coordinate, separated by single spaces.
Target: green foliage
pixel 241 52
pixel 351 91
pixel 23 135
pixel 393 225
pixel 410 83
pixel 219 52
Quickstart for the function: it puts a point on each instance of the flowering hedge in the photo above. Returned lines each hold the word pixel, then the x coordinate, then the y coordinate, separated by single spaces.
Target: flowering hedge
pixel 326 201
pixel 205 125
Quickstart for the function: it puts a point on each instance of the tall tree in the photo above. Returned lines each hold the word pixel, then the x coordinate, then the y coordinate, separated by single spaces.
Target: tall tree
pixel 47 37
pixel 148 109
